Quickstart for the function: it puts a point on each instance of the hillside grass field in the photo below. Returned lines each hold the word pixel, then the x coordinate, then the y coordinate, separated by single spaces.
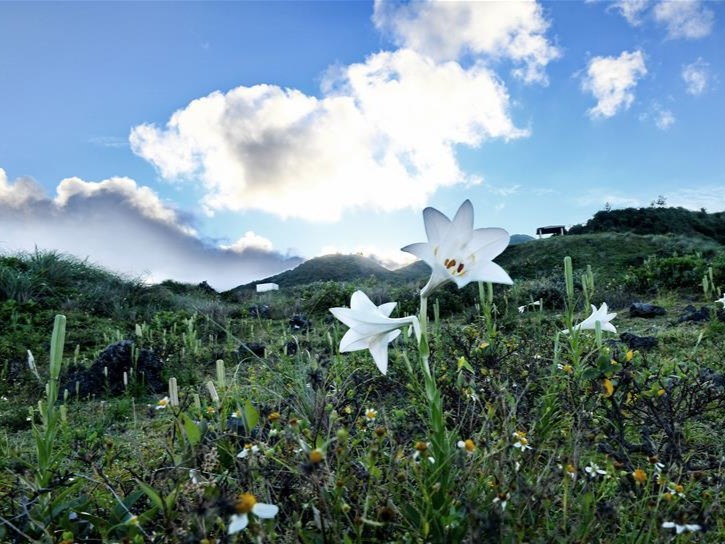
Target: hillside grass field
pixel 543 435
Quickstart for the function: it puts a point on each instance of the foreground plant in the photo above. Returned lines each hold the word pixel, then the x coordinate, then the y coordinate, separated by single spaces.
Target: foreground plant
pixel 458 253
pixel 371 327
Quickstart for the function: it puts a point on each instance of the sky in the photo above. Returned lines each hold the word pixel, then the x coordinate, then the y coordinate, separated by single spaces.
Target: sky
pixel 227 142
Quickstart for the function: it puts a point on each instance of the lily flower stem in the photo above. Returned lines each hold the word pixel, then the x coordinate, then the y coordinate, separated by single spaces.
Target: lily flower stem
pixel 439 436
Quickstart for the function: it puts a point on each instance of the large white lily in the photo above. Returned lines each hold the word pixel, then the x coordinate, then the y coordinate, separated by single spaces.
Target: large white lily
pixel 598 315
pixel 720 300
pixel 371 327
pixel 456 252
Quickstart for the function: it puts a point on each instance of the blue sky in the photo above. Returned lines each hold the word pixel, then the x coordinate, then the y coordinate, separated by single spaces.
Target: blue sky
pixel 227 141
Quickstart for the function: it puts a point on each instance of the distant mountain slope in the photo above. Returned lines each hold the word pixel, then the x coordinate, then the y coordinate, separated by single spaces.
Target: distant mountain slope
pixel 610 254
pixel 329 268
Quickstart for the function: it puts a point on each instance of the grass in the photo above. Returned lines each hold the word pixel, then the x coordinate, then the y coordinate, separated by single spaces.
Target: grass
pixel 564 439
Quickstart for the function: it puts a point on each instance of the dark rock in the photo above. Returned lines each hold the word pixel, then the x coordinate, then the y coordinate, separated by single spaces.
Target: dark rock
pixel 633 341
pixel 641 309
pixel 291 348
pixel 260 350
pixel 261 311
pixel 721 314
pixel 115 359
pixel 300 322
pixel 694 315
pixel 708 375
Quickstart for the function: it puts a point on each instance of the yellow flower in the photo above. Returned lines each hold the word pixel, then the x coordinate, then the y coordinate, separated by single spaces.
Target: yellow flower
pixel 371 414
pixel 660 392
pixel 245 503
pixel 608 388
pixel 629 356
pixel 467 445
pixel 274 416
pixel 639 475
pixel 316 456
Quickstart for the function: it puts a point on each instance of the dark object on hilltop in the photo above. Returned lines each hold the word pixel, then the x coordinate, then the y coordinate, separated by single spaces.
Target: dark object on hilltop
pixel 115 359
pixel 261 311
pixel 556 230
pixel 633 341
pixel 300 322
pixel 260 350
pixel 694 315
pixel 641 309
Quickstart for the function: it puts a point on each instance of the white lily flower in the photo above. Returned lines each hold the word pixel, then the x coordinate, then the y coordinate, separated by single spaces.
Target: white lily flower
pixel 720 300
pixel 599 315
pixel 371 327
pixel 248 503
pixel 456 252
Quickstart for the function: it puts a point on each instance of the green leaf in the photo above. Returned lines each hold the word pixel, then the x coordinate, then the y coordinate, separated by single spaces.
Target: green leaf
pixel 251 416
pixel 151 494
pixel 192 430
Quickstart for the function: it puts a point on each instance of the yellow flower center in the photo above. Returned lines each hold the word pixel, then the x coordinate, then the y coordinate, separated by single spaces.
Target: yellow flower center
pixel 421 446
pixel 679 488
pixel 608 387
pixel 316 456
pixel 469 446
pixel 274 416
pixel 639 475
pixel 245 503
pixel 371 413
pixel 571 469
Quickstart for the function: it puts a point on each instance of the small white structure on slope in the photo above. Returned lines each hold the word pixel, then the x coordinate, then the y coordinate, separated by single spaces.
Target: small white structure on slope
pixel 264 287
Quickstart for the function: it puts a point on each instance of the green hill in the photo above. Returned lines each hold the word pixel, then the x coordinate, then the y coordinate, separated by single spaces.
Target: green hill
pixel 328 268
pixel 656 220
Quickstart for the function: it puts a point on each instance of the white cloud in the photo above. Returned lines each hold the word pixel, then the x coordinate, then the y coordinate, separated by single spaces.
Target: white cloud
pixel 382 137
pixel 688 19
pixel 126 228
pixel 664 118
pixel 631 10
pixel 143 199
pixel 600 197
pixel 696 76
pixel 503 191
pixel 710 197
pixel 21 192
pixel 449 30
pixel 612 80
pixel 250 240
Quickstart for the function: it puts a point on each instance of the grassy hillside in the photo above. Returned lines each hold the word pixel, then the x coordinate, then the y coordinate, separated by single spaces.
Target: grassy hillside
pixel 502 429
pixel 657 220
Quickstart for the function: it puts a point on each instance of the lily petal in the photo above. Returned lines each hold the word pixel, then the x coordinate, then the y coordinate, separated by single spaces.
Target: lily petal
pixel 489 271
pixel 436 225
pixel 238 523
pixel 265 511
pixel 421 250
pixel 488 242
pixel 463 220
pixel 360 302
pixel 379 349
pixel 387 308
